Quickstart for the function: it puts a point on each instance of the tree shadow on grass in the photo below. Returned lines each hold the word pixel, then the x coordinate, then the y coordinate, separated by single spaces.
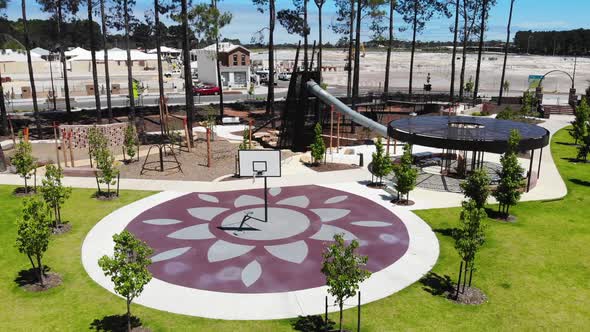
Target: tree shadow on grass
pixel 436 284
pixel 566 143
pixel 450 232
pixel 29 277
pixel 581 182
pixel 310 323
pixel 575 160
pixel 114 323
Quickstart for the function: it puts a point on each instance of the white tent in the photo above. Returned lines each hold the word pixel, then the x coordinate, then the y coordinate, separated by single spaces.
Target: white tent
pixel 20 56
pixel 118 55
pixel 165 49
pixel 40 51
pixel 76 52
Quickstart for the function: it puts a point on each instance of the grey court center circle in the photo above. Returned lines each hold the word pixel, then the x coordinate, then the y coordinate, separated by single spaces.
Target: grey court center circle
pixel 282 223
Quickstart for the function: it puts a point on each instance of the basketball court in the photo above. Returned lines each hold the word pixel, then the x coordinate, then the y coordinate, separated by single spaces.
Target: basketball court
pixel 257 253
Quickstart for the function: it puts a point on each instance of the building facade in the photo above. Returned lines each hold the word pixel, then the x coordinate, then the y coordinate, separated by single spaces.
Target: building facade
pixel 234 63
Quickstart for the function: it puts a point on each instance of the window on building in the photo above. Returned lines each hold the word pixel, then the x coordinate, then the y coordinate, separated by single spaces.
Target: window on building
pixel 243 59
pixel 235 59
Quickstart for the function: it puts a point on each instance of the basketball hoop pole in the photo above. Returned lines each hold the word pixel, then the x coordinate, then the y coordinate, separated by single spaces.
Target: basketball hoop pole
pixel 265 201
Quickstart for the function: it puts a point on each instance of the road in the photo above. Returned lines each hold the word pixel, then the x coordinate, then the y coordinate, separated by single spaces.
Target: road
pixel 87 102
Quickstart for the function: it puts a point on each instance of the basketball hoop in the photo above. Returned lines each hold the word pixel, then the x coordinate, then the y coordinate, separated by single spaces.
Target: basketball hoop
pixel 260 163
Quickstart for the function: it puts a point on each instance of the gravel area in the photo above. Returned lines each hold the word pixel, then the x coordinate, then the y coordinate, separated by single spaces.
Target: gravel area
pixel 194 164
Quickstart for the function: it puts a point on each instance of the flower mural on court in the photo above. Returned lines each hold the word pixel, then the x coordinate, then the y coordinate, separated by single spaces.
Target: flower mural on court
pixel 220 241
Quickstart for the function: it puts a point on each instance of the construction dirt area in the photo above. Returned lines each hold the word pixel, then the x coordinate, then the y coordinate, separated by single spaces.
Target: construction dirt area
pixel 518 69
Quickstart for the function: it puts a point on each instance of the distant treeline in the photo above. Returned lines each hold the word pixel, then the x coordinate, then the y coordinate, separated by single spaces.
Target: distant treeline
pixel 572 42
pixel 75 34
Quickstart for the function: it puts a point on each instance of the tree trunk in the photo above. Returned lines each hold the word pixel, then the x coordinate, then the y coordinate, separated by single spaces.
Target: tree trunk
pixel 26 186
pixel 188 82
pixel 453 62
pixel 129 63
pixel 94 72
pixel 389 46
pixel 270 95
pixel 357 59
pixel 2 160
pixel 159 54
pixel 33 265
pixel 340 305
pixel 128 314
pixel 470 273
pixel 40 269
pixel 30 68
pixel 414 28
pixel 305 41
pixel 464 276
pixel 214 2
pixel 3 115
pixel 106 61
pixel 464 53
pixel 350 43
pixel 480 47
pixel 506 53
pixel 320 42
pixel 63 62
pixel 459 281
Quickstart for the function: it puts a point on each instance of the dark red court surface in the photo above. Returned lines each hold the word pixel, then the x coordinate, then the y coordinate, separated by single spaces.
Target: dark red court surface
pixel 198 241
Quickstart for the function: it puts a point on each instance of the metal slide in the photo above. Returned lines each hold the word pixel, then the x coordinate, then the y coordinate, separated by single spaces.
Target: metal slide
pixel 340 107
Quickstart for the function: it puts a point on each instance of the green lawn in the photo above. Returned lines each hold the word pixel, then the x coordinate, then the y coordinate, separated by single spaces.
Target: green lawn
pixel 535 272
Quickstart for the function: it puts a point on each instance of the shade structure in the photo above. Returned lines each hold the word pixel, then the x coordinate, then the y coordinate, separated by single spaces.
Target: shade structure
pixel 467 133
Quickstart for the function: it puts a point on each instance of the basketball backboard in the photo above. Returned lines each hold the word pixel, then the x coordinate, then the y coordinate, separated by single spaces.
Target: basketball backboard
pixel 259 163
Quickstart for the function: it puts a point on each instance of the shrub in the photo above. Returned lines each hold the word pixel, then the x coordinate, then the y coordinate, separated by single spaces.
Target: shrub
pixel 130 141
pixel 33 233
pixel 23 159
pixel 405 174
pixel 511 180
pixel 318 147
pixel 53 191
pixel 381 164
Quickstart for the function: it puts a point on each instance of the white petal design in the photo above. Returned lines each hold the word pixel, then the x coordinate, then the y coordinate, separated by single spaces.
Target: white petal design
pixel 222 250
pixel 162 222
pixel 246 200
pixel 389 238
pixel 298 201
pixel 371 223
pixel 166 255
pixel 327 232
pixel 206 213
pixel 274 191
pixel 251 273
pixel 330 214
pixel 209 198
pixel 295 252
pixel 336 199
pixel 196 232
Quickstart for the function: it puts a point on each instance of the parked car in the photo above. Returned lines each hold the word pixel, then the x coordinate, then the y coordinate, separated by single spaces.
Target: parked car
pixel 6 79
pixel 173 72
pixel 285 76
pixel 206 90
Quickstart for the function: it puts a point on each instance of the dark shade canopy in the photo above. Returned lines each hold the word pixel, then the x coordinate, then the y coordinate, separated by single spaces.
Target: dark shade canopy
pixel 467 133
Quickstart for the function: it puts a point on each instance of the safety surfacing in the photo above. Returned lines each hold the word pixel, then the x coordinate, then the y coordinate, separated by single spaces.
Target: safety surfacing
pixel 215 249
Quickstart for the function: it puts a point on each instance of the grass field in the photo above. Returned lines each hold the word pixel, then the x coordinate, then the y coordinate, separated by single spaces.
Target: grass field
pixel 535 272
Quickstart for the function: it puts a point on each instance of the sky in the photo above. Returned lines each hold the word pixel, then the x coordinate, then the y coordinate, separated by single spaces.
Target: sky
pixel 528 15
